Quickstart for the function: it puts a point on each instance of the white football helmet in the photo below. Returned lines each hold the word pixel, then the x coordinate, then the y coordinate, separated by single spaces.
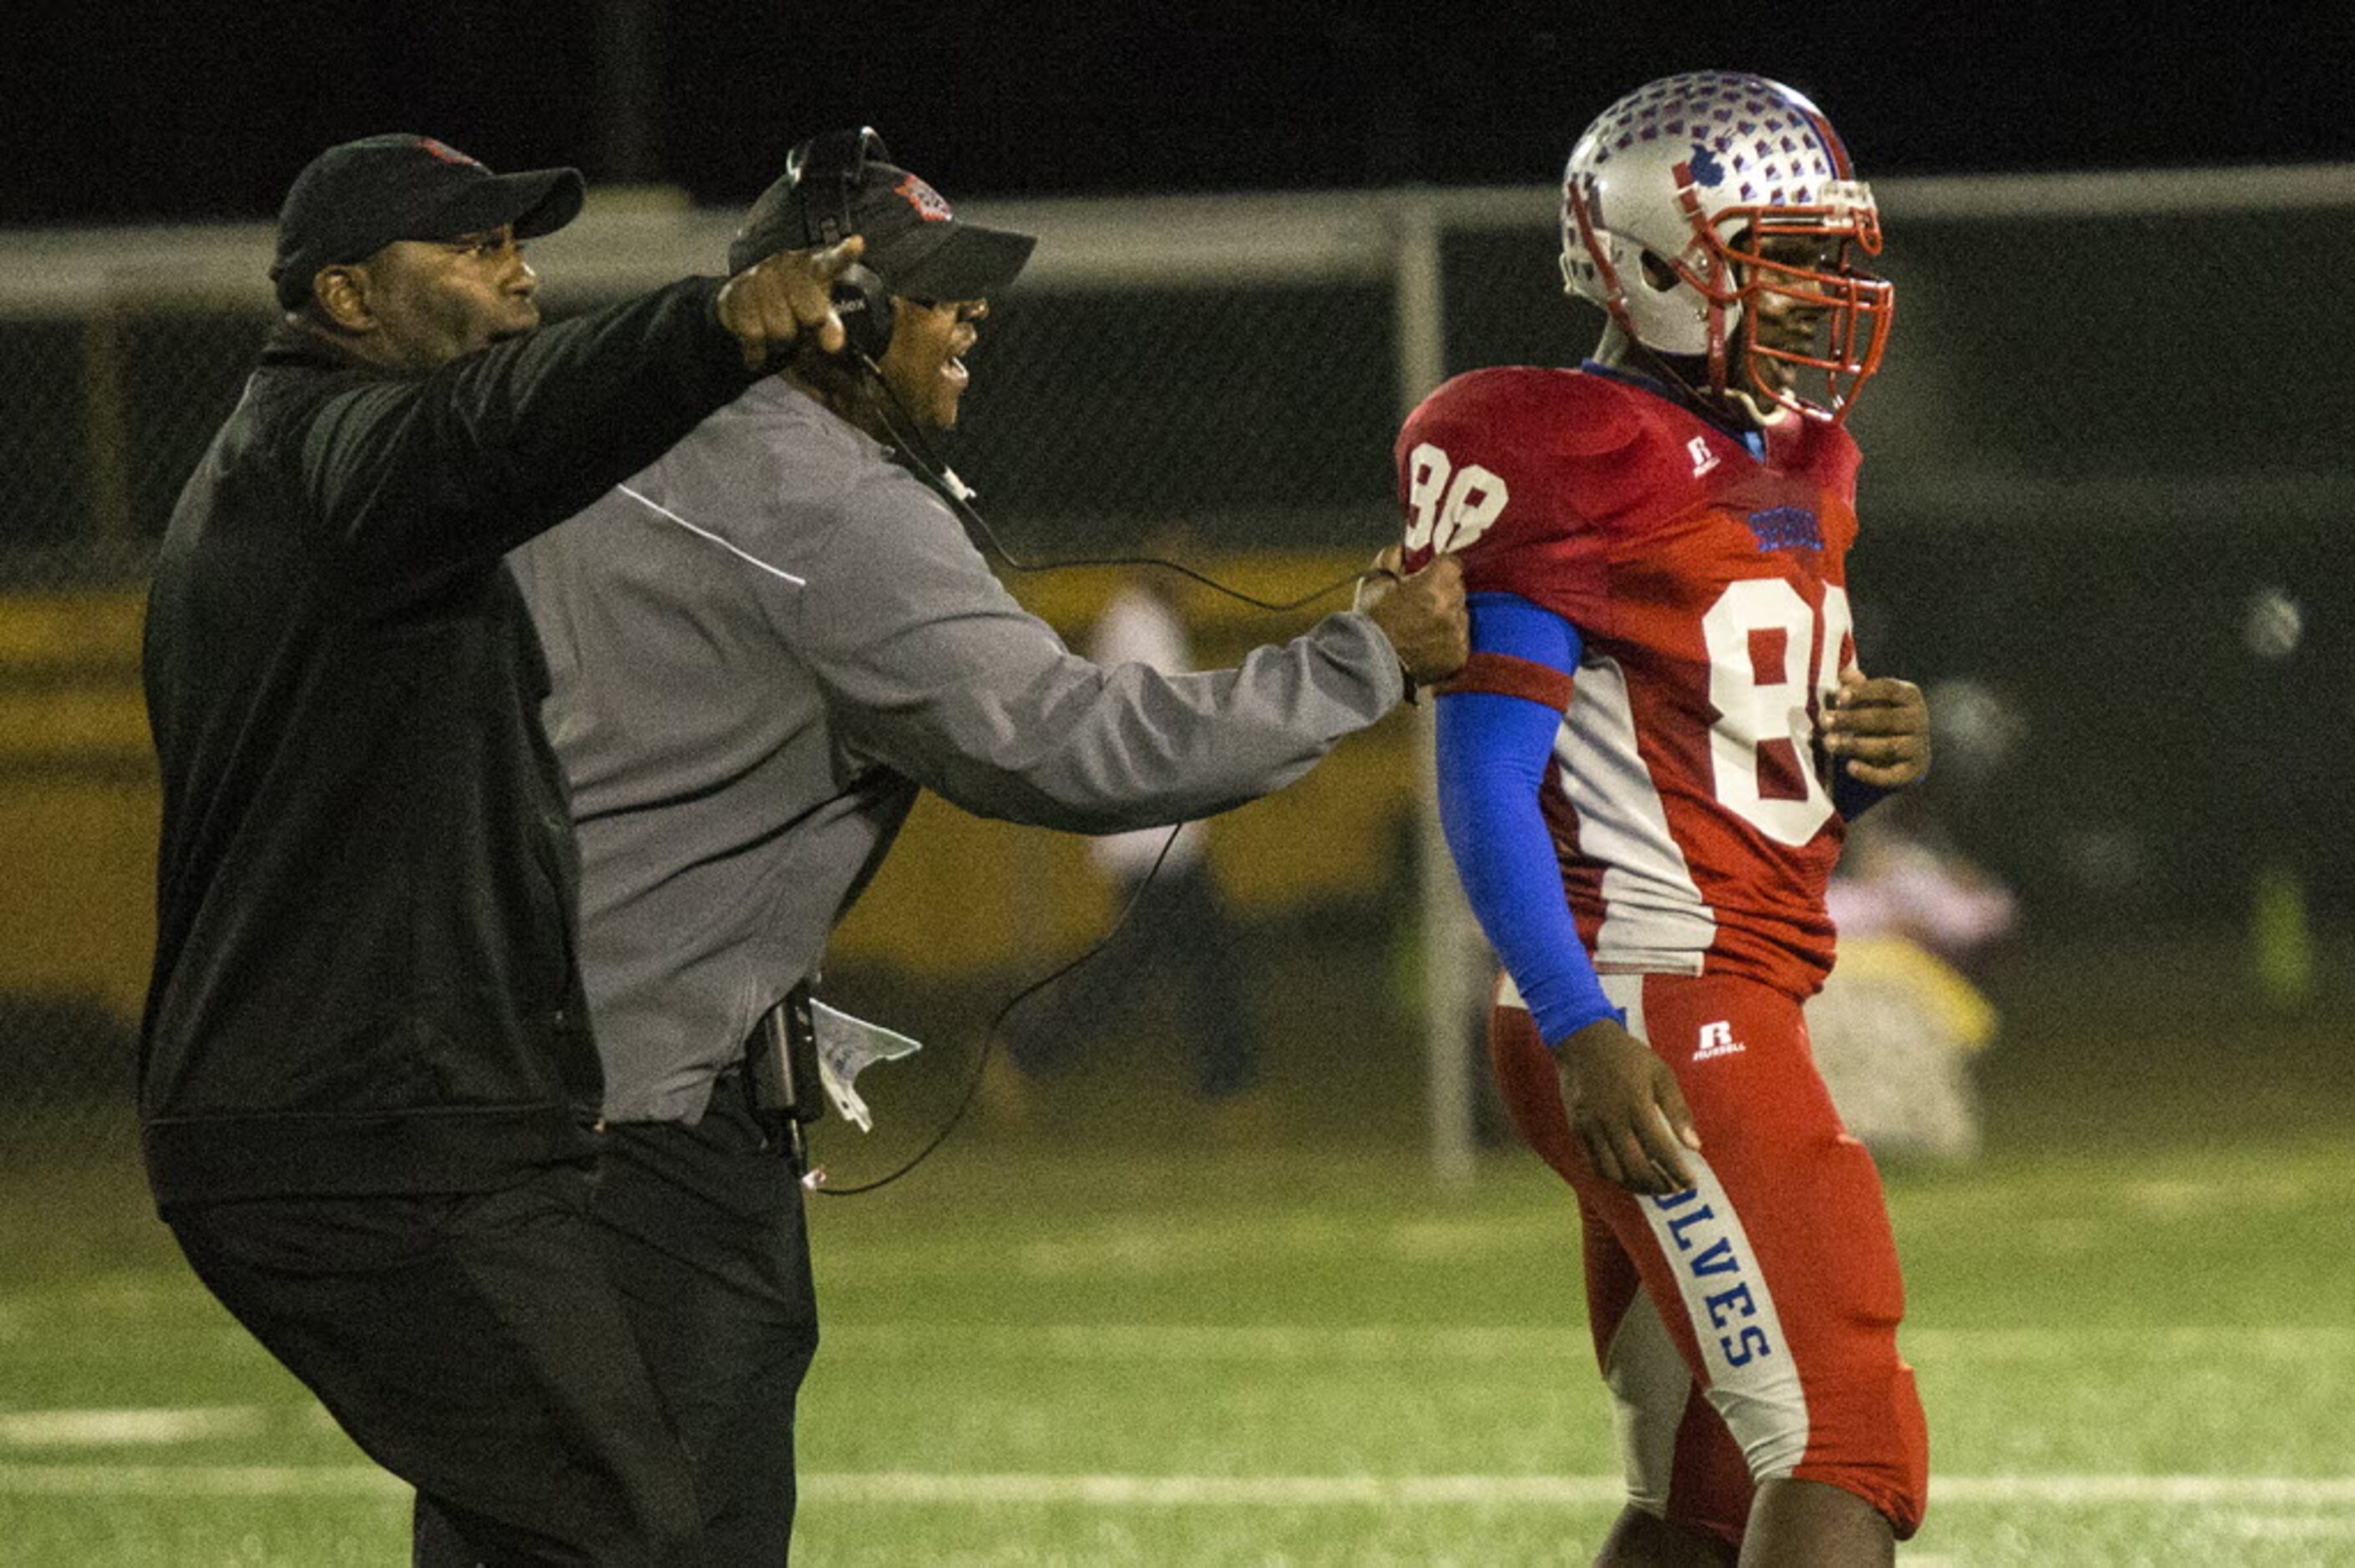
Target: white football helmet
pixel 1741 193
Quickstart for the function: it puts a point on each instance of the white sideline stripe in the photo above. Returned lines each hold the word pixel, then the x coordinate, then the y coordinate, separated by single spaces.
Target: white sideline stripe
pixel 199 1480
pixel 1164 1491
pixel 702 533
pixel 1152 1491
pixel 105 1428
pixel 912 1486
pixel 1377 1342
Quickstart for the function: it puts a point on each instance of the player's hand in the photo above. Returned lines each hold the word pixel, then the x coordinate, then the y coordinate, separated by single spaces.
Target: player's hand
pixel 1424 618
pixel 1625 1109
pixel 772 302
pixel 1880 728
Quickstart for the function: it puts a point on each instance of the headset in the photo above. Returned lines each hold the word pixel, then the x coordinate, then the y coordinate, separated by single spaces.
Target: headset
pixel 839 159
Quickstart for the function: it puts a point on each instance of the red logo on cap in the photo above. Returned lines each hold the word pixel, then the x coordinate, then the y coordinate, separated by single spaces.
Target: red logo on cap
pixel 924 199
pixel 443 151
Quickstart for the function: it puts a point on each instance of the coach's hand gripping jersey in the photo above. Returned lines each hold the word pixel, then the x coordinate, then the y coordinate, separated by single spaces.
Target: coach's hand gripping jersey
pixel 1686 796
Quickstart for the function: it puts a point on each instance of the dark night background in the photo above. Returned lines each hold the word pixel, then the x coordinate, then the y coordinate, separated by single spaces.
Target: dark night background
pixel 206 112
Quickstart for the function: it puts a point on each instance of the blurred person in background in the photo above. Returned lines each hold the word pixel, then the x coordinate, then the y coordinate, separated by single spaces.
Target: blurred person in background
pixel 763 646
pixel 1899 1024
pixel 1178 954
pixel 368 1092
pixel 1645 770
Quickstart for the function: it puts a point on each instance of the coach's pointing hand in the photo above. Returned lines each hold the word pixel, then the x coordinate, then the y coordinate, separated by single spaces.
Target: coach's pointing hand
pixel 1625 1109
pixel 774 300
pixel 1423 616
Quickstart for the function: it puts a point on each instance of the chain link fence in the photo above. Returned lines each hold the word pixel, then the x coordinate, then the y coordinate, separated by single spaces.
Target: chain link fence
pixel 2108 473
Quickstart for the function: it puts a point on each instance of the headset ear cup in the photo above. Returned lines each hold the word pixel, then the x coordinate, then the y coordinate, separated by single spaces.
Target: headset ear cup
pixel 864 306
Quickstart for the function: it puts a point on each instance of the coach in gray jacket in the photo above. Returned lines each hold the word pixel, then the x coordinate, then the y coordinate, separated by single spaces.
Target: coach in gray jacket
pixel 762 647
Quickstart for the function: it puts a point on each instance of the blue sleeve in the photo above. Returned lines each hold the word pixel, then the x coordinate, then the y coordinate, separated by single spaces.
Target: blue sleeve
pixel 1494 754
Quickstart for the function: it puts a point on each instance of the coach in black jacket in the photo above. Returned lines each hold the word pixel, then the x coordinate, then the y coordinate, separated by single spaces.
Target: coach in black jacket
pixel 368 1088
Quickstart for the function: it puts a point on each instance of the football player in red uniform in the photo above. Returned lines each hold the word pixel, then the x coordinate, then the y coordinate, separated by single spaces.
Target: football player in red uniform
pixel 1643 774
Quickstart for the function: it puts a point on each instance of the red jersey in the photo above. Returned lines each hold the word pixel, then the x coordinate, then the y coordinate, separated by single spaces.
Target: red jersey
pixel 1687 799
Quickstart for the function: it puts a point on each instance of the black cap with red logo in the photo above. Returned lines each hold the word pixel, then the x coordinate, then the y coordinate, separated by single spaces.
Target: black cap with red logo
pixel 915 243
pixel 355 199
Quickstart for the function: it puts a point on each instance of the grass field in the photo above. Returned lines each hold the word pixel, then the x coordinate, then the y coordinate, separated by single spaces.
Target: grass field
pixel 1110 1336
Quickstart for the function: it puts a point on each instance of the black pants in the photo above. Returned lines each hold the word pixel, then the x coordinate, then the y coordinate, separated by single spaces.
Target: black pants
pixel 1179 954
pixel 700 1229
pixel 473 1345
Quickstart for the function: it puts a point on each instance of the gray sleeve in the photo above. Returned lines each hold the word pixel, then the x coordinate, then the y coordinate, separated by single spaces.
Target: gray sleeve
pixel 932 668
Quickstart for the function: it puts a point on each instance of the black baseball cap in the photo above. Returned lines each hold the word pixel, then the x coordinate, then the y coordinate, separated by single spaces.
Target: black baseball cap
pixel 915 243
pixel 355 199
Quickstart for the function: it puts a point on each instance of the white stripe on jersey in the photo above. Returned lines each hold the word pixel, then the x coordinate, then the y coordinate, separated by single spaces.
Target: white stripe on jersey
pixel 1649 1386
pixel 1653 915
pixel 1754 1383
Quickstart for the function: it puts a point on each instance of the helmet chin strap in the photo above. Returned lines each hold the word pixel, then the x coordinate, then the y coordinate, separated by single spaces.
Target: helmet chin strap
pixel 1769 412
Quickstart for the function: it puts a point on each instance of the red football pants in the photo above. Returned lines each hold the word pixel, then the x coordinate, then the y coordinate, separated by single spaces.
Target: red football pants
pixel 1747 1329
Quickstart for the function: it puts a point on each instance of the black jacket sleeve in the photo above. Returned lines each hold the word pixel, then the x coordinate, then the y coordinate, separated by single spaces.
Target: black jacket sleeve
pixel 414 481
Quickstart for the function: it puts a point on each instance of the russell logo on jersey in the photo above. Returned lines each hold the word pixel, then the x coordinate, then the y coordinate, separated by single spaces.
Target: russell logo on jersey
pixel 1716 1040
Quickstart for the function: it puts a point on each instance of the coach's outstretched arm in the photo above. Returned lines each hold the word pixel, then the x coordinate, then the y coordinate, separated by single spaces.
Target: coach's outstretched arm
pixel 414 480
pixel 937 673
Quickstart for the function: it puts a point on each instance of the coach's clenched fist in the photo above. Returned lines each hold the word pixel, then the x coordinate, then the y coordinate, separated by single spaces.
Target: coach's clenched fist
pixel 774 300
pixel 1421 615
